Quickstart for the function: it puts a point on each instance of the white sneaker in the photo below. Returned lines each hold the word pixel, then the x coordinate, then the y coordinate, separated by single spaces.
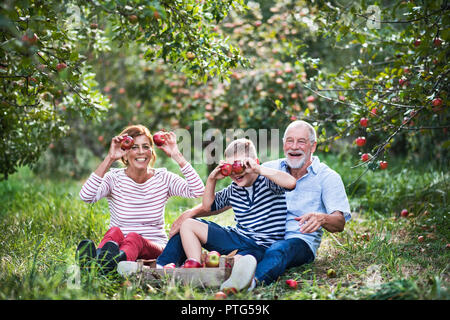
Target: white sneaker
pixel 242 274
pixel 126 268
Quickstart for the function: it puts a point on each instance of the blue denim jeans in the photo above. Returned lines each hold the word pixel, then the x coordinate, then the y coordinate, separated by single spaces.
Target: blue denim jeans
pixel 220 239
pixel 282 255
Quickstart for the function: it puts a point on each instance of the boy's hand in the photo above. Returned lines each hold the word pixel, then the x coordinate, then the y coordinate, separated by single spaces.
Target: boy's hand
pixel 216 174
pixel 251 166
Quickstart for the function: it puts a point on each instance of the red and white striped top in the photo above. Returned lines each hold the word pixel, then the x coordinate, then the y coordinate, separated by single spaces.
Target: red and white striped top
pixel 139 207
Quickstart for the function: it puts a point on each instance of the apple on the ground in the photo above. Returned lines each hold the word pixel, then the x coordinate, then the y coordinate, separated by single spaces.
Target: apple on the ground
pixel 292 283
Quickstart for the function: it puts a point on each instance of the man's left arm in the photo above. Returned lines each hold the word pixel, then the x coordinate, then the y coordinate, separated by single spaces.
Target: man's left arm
pixel 310 222
pixel 336 204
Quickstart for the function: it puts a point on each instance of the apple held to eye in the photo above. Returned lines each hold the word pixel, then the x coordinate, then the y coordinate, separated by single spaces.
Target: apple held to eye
pixel 159 139
pixel 226 169
pixel 126 143
pixel 238 167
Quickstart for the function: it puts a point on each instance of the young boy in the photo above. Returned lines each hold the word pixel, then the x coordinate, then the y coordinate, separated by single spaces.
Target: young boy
pixel 258 201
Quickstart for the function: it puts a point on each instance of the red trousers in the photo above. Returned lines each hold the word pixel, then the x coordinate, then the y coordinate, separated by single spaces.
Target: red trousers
pixel 134 245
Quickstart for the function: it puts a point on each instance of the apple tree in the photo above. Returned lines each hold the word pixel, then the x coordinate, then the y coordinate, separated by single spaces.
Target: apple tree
pixel 393 90
pixel 47 82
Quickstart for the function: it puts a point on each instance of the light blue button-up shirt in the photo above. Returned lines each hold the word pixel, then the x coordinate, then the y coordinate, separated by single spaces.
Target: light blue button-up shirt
pixel 320 190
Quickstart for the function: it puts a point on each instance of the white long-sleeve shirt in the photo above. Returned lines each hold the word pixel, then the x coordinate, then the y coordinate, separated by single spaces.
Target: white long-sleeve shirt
pixel 139 207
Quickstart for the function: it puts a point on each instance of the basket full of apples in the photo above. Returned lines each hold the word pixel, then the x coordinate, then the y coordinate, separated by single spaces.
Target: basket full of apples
pixel 211 271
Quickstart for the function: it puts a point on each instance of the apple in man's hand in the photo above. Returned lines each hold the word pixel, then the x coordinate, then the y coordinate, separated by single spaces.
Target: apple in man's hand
pixel 159 139
pixel 126 143
pixel 212 259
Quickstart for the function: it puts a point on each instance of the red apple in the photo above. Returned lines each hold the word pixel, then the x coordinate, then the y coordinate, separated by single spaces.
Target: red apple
pixel 192 263
pixel 226 169
pixel 437 41
pixel 310 99
pixel 220 296
pixel 420 239
pixel 61 66
pixel 365 237
pixel 212 259
pixel 404 213
pixel 126 143
pixel 365 157
pixel 170 266
pixel 238 167
pixel 417 42
pixel 292 283
pixel 360 141
pixel 403 82
pixel 383 165
pixel 437 102
pixel 364 122
pixel 373 112
pixel 29 38
pixel 159 139
pixel 229 291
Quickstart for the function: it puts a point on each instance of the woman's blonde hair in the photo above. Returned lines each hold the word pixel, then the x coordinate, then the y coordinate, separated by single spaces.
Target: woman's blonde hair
pixel 139 130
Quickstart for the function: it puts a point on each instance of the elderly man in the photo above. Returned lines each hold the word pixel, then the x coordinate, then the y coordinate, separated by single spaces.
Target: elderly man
pixel 319 200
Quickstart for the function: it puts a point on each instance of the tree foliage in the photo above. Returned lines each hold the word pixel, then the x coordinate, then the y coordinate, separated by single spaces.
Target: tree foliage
pixel 167 64
pixel 45 48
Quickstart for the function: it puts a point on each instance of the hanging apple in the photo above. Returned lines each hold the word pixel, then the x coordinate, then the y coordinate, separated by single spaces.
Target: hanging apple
pixel 360 141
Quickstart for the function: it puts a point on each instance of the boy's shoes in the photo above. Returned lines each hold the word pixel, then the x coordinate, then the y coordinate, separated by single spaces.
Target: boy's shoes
pixel 126 268
pixel 109 256
pixel 241 276
pixel 86 253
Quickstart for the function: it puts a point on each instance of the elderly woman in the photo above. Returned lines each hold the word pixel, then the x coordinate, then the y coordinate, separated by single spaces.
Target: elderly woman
pixel 136 196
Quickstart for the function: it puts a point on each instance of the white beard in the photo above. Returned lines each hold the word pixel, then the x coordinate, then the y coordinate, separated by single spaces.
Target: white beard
pixel 297 163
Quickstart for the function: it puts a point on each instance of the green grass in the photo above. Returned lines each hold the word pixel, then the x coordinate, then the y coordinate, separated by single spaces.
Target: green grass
pixel 43 220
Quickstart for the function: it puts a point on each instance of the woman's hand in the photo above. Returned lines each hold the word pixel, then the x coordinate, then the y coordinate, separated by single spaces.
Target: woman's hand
pixel 170 146
pixel 115 151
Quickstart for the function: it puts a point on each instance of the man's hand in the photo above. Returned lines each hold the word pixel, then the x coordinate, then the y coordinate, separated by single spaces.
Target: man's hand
pixel 310 222
pixel 175 228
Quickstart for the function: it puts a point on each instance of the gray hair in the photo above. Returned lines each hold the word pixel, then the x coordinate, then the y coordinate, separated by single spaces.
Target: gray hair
pixel 299 124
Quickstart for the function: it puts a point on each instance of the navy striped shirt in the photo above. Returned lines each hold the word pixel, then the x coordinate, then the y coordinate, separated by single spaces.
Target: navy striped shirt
pixel 260 215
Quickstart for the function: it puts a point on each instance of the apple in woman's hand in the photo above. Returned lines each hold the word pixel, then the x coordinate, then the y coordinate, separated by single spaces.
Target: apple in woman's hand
pixel 159 139
pixel 126 143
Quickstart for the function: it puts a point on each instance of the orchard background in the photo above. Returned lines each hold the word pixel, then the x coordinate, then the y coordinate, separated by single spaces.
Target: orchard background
pixel 371 76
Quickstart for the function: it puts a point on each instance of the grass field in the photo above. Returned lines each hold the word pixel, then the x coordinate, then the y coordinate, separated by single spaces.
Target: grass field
pixel 377 256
